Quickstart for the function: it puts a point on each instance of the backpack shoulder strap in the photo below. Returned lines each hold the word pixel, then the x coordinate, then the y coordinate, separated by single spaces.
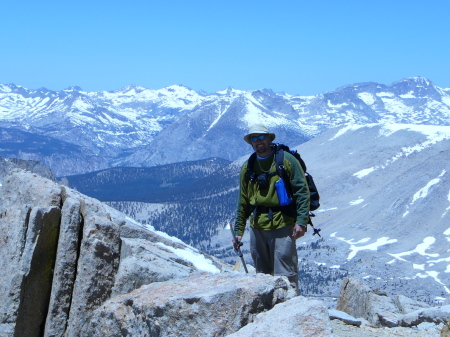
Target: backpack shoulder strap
pixel 251 161
pixel 300 159
pixel 279 160
pixel 250 175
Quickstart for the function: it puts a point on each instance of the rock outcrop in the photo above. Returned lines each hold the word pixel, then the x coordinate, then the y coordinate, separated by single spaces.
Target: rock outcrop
pixel 358 300
pixel 296 317
pixel 206 305
pixel 72 266
pixel 7 165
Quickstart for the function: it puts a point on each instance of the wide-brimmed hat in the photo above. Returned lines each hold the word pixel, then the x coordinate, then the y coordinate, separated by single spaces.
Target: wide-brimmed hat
pixel 258 129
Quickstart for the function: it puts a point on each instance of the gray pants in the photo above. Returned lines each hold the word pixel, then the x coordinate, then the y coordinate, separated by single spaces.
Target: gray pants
pixel 274 252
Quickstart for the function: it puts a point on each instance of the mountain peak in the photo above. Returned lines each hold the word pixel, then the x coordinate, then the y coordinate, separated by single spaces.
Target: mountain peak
pixel 73 88
pixel 229 91
pixel 416 80
pixel 176 87
pixel 417 87
pixel 131 88
pixel 10 87
pixel 177 90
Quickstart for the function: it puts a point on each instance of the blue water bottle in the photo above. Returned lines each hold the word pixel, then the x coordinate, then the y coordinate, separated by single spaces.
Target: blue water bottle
pixel 283 196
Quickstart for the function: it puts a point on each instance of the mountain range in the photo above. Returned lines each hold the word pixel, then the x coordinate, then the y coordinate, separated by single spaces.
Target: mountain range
pixel 171 157
pixel 139 127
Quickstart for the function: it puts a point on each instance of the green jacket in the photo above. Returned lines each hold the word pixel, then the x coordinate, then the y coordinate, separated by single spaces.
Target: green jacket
pixel 250 194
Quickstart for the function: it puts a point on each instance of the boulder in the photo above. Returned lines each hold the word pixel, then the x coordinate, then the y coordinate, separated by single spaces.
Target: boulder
pixel 297 317
pixel 406 304
pixel 358 300
pixel 344 317
pixel 203 305
pixel 436 315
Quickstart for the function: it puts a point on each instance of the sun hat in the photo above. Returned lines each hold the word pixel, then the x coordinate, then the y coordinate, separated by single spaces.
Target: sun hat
pixel 258 129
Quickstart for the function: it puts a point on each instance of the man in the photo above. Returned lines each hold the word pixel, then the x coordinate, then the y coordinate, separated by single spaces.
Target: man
pixel 273 228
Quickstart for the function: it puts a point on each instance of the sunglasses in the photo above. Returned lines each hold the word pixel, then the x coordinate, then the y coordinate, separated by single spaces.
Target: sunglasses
pixel 256 138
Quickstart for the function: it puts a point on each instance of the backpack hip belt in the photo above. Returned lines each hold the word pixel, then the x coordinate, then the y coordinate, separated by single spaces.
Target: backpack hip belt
pixel 289 210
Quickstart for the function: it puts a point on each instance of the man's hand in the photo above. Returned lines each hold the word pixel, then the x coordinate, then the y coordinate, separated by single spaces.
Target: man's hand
pixel 236 242
pixel 298 232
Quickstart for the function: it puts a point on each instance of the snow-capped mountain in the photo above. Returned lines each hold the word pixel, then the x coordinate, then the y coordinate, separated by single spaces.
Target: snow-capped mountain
pixel 135 126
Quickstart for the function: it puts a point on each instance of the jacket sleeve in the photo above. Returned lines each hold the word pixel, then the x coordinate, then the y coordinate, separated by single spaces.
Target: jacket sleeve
pixel 242 209
pixel 300 189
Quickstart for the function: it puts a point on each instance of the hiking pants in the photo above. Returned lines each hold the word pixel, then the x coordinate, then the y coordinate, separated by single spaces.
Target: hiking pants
pixel 274 252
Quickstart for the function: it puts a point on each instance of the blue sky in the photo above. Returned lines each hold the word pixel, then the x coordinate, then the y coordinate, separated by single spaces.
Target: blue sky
pixel 299 47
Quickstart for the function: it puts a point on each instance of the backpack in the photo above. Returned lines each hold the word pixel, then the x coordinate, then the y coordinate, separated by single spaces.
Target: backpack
pixel 279 156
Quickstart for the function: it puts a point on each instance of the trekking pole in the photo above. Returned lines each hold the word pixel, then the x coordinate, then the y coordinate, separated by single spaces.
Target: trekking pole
pixel 237 246
pixel 315 230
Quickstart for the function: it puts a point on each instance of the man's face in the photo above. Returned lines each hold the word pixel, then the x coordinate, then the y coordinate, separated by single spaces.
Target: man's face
pixel 261 144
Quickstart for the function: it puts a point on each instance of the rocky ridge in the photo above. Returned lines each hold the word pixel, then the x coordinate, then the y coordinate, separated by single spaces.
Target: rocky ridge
pixel 9 164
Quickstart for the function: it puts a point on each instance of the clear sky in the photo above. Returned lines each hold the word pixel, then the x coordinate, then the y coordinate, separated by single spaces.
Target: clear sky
pixel 299 47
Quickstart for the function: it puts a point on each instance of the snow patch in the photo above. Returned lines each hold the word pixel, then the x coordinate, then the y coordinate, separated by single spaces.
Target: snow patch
pixel 164 235
pixel 373 246
pixel 385 94
pixel 448 208
pixel 446 100
pixel 423 192
pixel 397 107
pixel 197 259
pixel 408 95
pixel 355 247
pixel 364 172
pixel 331 105
pixel 445 259
pixel 326 210
pixel 435 133
pixel 356 202
pixel 434 275
pixel 367 98
pixel 189 253
pixel 420 249
pixel 348 128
